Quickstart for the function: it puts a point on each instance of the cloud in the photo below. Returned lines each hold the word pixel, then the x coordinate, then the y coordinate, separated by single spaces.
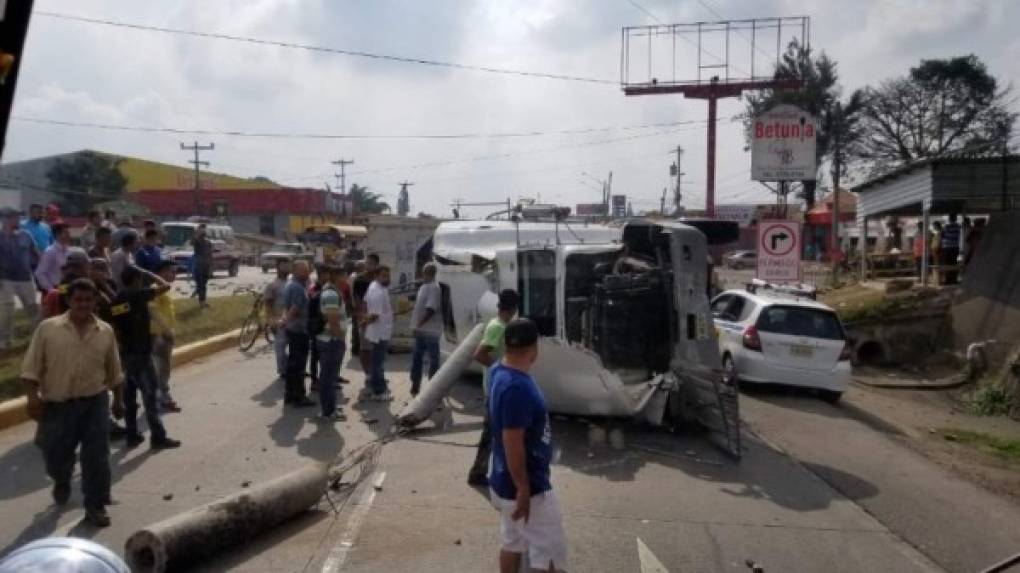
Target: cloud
pixel 95 73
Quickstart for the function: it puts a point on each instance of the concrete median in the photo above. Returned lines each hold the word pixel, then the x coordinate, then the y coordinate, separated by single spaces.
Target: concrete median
pixel 14 412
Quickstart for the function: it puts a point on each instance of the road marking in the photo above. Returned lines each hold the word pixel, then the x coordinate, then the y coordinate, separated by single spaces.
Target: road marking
pixel 649 562
pixel 342 550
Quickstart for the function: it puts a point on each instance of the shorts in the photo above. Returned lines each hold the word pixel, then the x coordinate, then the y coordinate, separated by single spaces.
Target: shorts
pixel 542 537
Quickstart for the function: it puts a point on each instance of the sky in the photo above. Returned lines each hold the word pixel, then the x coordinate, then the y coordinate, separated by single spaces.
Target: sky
pixel 85 72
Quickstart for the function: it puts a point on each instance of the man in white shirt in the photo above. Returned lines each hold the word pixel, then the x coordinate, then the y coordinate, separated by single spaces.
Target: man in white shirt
pixel 377 331
pixel 48 273
pixel 427 325
pixel 275 306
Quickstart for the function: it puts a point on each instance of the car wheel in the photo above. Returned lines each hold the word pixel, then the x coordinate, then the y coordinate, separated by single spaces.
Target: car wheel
pixel 831 396
pixel 233 270
pixel 265 270
pixel 730 376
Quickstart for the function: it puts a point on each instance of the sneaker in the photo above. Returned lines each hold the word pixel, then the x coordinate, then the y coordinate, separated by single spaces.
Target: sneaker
pixel 384 397
pixel 133 440
pixel 97 517
pixel 170 406
pixel 342 380
pixel 61 493
pixel 165 444
pixel 302 403
pixel 337 416
pixel 364 394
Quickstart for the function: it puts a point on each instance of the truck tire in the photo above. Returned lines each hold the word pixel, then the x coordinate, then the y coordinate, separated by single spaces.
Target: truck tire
pixel 234 268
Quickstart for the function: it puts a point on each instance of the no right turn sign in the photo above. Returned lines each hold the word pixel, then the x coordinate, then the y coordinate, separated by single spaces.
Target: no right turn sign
pixel 779 251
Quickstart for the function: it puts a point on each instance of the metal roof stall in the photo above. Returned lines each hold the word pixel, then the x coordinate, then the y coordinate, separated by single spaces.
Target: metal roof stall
pixel 940 186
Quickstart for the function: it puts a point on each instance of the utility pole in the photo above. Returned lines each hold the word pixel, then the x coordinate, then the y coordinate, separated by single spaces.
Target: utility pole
pixel 837 168
pixel 662 201
pixel 198 163
pixel 404 199
pixel 676 171
pixel 342 176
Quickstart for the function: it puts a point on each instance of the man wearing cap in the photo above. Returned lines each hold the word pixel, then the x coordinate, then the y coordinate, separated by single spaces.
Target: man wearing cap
pixel 488 353
pixel 427 325
pixel 39 229
pixel 69 369
pixel 48 273
pixel 521 455
pixel 18 254
pixel 76 266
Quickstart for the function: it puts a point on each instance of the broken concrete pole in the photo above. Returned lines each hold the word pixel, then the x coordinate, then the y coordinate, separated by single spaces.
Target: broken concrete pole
pixel 433 391
pixel 206 530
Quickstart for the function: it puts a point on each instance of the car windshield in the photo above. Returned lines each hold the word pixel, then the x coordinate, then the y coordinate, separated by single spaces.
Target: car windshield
pixel 800 321
pixel 177 236
pixel 287 247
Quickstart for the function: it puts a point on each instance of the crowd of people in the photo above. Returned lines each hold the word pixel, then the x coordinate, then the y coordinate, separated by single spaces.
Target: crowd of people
pixel 104 335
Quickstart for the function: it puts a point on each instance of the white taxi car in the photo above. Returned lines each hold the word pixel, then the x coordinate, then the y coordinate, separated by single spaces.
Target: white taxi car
pixel 772 336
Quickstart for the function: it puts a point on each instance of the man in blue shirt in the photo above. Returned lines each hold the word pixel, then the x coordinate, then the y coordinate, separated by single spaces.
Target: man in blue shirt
pixel 17 257
pixel 295 324
pixel 521 454
pixel 38 228
pixel 150 255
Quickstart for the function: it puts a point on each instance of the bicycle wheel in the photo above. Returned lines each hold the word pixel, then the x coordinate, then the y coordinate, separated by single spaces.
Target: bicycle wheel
pixel 249 332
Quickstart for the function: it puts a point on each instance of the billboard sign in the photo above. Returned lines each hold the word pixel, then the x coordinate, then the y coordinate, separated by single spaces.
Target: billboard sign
pixel 779 251
pixel 619 206
pixel 590 209
pixel 783 143
pixel 742 215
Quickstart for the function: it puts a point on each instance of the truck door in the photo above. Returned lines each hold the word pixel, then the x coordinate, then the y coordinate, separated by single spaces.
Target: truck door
pixel 537 287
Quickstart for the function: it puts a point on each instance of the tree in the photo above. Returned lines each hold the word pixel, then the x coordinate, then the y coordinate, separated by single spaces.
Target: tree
pixel 818 96
pixel 366 201
pixel 940 106
pixel 85 179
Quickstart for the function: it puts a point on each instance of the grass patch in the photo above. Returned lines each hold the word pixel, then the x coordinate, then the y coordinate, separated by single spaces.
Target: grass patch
pixel 1004 449
pixel 225 314
pixel 856 303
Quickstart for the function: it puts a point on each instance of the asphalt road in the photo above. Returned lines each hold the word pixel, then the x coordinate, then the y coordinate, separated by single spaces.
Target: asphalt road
pixel 689 507
pixel 959 525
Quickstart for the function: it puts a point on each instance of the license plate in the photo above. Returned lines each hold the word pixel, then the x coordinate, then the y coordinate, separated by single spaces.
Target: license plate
pixel 802 351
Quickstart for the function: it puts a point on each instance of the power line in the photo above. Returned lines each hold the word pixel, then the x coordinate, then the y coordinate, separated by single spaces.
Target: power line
pixel 298 135
pixel 645 10
pixel 323 49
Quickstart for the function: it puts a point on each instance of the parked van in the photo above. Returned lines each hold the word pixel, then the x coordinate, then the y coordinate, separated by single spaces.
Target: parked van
pixel 177 236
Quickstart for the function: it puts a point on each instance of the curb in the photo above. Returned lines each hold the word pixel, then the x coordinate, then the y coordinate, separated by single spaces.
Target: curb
pixel 14 412
pixel 943 384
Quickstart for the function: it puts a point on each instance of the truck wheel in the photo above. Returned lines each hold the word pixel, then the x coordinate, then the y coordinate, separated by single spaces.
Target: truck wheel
pixel 265 270
pixel 233 268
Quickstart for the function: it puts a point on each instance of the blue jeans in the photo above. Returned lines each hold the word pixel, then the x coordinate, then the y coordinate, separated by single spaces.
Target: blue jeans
pixel 331 354
pixel 377 379
pixel 65 425
pixel 424 344
pixel 201 276
pixel 140 376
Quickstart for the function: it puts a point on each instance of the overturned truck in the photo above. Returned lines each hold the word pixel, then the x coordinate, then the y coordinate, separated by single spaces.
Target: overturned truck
pixel 622 309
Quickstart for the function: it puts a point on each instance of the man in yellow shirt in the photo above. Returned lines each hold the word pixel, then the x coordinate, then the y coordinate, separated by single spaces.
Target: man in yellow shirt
pixel 164 321
pixel 67 371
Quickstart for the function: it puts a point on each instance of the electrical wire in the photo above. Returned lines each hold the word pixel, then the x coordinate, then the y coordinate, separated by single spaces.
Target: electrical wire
pixel 330 136
pixel 321 49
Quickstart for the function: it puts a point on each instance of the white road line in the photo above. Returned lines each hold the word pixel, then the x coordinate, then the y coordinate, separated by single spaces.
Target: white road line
pixel 341 551
pixel 649 562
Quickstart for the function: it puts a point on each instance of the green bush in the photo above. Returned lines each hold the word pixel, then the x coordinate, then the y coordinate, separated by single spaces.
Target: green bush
pixel 990 400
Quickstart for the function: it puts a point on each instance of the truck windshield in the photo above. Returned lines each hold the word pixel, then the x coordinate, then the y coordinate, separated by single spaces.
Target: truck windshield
pixel 177 235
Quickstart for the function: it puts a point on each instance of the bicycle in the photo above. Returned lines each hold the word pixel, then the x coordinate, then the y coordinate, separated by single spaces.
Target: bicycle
pixel 254 324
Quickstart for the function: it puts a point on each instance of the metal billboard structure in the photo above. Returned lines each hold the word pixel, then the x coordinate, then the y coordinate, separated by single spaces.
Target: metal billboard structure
pixel 649 64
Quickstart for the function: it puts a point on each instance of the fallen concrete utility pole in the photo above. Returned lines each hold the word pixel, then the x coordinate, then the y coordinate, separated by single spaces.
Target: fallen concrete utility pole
pixel 203 531
pixel 422 407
